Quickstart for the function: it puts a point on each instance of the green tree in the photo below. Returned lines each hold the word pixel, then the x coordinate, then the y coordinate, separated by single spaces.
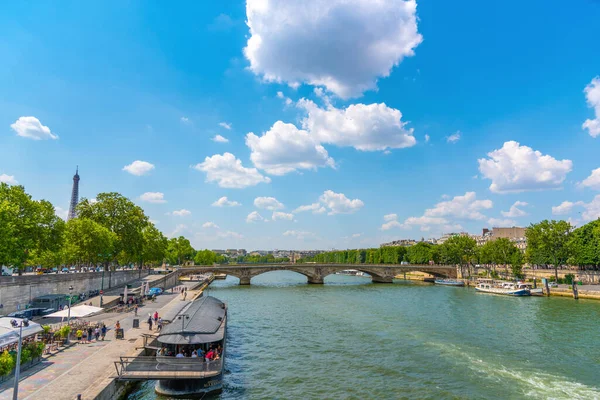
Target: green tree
pixel 154 249
pixel 88 242
pixel 420 253
pixel 27 226
pixel 122 217
pixel 459 250
pixel 584 245
pixel 548 243
pixel 179 250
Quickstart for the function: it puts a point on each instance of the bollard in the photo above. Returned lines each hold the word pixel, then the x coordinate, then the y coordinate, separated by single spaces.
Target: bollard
pixel 575 292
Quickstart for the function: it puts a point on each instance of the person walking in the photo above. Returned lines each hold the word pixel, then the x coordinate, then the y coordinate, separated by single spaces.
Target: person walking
pixel 89 333
pixel 97 333
pixel 135 309
pixel 150 323
pixel 155 316
pixel 159 324
pixel 103 331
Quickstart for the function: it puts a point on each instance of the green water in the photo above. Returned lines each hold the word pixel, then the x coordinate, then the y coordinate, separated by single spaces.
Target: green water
pixel 351 339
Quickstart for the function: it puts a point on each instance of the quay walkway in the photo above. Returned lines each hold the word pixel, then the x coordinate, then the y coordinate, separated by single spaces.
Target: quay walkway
pixel 87 368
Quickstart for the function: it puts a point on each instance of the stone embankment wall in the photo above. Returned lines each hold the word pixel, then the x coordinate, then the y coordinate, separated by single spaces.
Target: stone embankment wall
pixel 17 291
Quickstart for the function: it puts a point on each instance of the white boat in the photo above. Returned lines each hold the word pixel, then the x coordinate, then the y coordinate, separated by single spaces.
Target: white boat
pixel 352 272
pixel 449 282
pixel 504 288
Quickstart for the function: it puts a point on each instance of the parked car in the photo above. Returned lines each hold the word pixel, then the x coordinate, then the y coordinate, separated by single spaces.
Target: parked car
pixel 154 291
pixel 552 284
pixel 65 270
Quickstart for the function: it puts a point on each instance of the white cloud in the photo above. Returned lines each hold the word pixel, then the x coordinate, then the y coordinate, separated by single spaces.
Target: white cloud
pixel 153 197
pixel 455 137
pixel 390 217
pixel 182 213
pixel 32 128
pixel 516 168
pixel 424 220
pixel 285 148
pixel 278 215
pixel 356 235
pixel 300 235
pixel 427 138
pixel 254 216
pixel 61 212
pixel 220 139
pixel 391 224
pixel 592 95
pixel 461 207
pixel 229 235
pixel 226 125
pixel 10 179
pixel 316 208
pixel 592 209
pixel 565 207
pixel 268 203
pixel 287 100
pixel 515 211
pixel 334 203
pixel 179 229
pixel 185 120
pixel 208 225
pixel 138 168
pixel 592 181
pixel 344 45
pixel 224 202
pixel 366 127
pixel 501 223
pixel 229 172
pixel 338 203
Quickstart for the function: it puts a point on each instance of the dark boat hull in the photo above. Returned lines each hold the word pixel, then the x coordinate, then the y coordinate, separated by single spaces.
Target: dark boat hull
pixel 189 388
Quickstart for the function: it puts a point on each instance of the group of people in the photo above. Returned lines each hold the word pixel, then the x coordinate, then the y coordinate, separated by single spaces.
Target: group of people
pixel 98 332
pixel 155 319
pixel 213 353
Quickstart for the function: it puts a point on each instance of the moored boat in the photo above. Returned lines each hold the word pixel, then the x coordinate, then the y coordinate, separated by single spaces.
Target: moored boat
pixel 449 282
pixel 503 288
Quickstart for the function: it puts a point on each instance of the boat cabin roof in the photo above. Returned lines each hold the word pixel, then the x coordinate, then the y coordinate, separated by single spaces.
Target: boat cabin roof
pixel 202 321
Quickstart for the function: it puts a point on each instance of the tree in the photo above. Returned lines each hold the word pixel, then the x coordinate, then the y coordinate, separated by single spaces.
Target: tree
pixel 155 245
pixel 27 226
pixel 206 257
pixel 458 250
pixel 179 250
pixel 548 243
pixel 122 217
pixel 420 253
pixel 88 242
pixel 584 245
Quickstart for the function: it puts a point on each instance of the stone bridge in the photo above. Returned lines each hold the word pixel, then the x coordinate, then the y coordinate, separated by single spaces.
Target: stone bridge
pixel 380 273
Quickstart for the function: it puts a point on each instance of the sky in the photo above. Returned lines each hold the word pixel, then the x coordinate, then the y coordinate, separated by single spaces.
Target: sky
pixel 271 124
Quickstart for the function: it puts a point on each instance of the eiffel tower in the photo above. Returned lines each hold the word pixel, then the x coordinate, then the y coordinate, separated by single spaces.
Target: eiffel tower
pixel 74 196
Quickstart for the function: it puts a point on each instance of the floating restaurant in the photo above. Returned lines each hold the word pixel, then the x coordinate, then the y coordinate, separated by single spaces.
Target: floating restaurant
pixel 186 358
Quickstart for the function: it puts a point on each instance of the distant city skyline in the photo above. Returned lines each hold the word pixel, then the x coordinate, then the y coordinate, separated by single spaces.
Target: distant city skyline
pixel 428 118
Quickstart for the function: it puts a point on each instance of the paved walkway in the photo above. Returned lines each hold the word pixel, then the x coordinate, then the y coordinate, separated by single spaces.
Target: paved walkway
pixel 70 372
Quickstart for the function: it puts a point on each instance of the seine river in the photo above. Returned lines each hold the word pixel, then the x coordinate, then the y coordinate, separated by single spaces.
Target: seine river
pixel 350 339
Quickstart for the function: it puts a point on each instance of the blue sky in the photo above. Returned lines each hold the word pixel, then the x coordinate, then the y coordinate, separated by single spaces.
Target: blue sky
pixel 381 121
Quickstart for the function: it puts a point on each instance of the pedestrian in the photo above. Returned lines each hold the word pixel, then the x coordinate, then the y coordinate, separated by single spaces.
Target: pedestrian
pixel 155 316
pixel 150 323
pixel 135 309
pixel 89 333
pixel 103 331
pixel 159 324
pixel 97 333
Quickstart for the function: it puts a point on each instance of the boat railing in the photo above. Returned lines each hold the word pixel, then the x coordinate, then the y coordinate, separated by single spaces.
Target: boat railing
pixel 164 367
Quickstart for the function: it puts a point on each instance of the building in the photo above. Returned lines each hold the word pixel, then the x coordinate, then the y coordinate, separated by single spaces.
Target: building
pixel 401 242
pixel 447 236
pixel 514 234
pixel 74 196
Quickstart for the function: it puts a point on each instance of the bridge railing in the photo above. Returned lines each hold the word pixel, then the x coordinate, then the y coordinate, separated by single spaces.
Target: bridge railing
pixel 147 367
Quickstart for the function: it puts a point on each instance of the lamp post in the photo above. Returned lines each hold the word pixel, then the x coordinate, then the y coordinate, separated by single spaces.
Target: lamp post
pixel 69 312
pixel 14 323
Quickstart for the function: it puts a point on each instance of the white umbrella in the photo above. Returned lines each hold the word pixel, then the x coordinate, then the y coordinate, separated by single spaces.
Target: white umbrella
pixel 125 295
pixel 77 311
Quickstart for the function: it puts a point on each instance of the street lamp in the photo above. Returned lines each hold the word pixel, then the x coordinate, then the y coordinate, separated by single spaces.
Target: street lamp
pixel 69 312
pixel 14 323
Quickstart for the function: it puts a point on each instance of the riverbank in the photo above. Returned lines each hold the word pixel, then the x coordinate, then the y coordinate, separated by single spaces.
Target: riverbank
pixel 88 369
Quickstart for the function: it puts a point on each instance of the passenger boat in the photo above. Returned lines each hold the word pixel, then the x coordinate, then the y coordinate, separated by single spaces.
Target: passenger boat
pixel 449 282
pixel 504 288
pixel 175 358
pixel 220 276
pixel 352 272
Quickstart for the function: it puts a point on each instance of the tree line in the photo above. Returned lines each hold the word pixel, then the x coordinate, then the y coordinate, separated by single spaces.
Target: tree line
pixel 109 231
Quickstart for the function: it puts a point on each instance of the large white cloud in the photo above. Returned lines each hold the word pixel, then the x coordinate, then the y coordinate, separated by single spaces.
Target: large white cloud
pixel 366 127
pixel 565 207
pixel 279 215
pixel 592 95
pixel 592 181
pixel 516 168
pixel 391 221
pixel 153 197
pixel 229 172
pixel 138 168
pixel 268 203
pixel 10 179
pixel 461 207
pixel 225 202
pixel 334 203
pixel 32 128
pixel 285 148
pixel 344 45
pixel 515 211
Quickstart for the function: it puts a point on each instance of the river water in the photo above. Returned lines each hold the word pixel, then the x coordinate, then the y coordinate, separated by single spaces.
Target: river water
pixel 351 339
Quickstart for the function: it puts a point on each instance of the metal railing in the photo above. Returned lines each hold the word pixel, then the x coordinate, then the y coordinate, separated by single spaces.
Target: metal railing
pixel 145 367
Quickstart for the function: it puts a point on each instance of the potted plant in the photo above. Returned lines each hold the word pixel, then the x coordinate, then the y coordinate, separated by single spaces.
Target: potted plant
pixel 7 364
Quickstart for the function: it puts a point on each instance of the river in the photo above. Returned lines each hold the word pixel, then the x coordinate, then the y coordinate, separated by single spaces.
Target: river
pixel 351 339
